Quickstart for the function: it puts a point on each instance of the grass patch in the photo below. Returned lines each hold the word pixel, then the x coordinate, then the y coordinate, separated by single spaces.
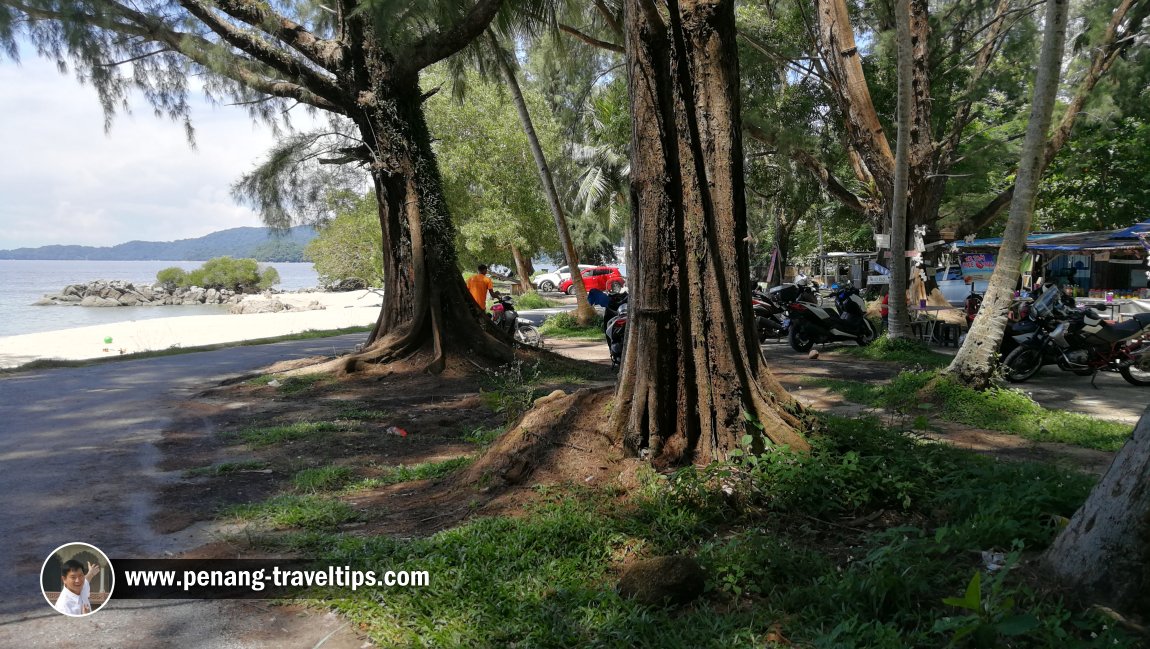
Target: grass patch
pixel 291 386
pixel 534 300
pixel 546 579
pixel 362 414
pixel 484 436
pixel 903 352
pixel 1002 409
pixel 425 471
pixel 225 468
pixel 303 512
pixel 265 436
pixel 327 478
pixel 564 325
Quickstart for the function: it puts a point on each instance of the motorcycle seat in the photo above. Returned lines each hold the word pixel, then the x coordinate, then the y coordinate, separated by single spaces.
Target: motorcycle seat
pixel 1115 333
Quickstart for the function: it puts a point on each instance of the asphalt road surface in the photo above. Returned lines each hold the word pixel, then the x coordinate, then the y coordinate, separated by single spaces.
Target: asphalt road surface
pixel 78 463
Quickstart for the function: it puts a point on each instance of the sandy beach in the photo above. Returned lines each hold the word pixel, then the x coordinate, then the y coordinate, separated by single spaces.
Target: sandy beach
pixel 355 308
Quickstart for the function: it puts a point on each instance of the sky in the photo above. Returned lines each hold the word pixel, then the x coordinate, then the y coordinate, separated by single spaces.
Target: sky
pixel 63 180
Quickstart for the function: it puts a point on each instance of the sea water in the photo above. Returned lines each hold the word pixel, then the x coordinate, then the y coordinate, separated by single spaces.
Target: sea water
pixel 23 282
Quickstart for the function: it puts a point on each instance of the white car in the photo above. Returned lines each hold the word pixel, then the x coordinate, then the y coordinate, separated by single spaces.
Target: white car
pixel 551 281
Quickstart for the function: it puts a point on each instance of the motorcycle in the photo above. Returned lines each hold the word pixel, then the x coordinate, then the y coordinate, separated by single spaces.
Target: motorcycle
pixel 1081 342
pixel 506 318
pixel 810 323
pixel 770 316
pixel 614 307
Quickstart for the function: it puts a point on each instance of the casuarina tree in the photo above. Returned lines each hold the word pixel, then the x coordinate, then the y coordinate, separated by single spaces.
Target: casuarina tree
pixel 358 60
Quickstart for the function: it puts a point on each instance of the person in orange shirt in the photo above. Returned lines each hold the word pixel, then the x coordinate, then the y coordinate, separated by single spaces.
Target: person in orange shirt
pixel 479 285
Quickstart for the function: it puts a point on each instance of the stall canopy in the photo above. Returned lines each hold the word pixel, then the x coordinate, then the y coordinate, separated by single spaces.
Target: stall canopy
pixel 1125 239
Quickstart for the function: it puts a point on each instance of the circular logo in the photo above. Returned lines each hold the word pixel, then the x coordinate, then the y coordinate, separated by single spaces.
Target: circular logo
pixel 77 579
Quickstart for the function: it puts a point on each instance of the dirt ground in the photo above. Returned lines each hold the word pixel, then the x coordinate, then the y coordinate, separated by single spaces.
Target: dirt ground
pixel 382 419
pixel 401 416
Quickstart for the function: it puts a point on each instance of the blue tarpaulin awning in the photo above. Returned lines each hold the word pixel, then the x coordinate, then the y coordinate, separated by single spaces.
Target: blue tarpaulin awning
pixel 1125 239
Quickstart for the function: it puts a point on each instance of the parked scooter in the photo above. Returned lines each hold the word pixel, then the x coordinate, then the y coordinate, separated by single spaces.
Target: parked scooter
pixel 811 324
pixel 770 315
pixel 614 307
pixel 1081 342
pixel 505 317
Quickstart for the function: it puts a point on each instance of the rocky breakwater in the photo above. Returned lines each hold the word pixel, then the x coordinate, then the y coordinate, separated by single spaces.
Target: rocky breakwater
pixel 104 293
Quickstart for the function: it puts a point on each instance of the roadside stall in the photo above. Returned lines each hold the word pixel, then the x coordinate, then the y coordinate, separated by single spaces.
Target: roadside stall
pixel 1107 270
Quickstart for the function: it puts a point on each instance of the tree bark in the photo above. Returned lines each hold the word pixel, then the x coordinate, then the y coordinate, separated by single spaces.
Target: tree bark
pixel 975 362
pixel 523 269
pixel 584 313
pixel 436 315
pixel 899 322
pixel 1103 556
pixel 692 384
pixel 843 62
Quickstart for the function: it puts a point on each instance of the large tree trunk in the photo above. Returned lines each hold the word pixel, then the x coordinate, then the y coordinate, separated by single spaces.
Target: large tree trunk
pixel 975 362
pixel 1103 555
pixel 692 380
pixel 419 242
pixel 584 313
pixel 843 61
pixel 899 323
pixel 397 282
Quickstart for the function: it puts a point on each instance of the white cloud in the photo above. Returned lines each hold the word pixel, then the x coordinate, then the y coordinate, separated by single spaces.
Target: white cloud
pixel 64 181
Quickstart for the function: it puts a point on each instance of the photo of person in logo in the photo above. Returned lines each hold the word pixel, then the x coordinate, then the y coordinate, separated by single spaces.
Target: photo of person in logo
pixel 77 579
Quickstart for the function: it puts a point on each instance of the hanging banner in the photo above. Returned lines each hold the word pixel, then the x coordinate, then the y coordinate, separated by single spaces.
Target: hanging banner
pixel 979 267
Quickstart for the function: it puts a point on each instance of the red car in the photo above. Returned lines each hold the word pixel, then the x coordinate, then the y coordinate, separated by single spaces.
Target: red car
pixel 604 278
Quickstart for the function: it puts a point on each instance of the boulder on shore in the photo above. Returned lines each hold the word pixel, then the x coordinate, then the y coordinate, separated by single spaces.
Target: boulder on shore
pixel 120 293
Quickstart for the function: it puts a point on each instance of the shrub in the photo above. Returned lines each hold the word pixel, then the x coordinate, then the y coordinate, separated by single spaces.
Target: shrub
pixel 221 273
pixel 172 277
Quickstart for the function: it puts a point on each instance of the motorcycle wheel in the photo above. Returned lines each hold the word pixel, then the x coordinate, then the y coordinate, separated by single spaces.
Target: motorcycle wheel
pixel 1138 372
pixel 1022 363
pixel 869 335
pixel 547 285
pixel 800 341
pixel 528 334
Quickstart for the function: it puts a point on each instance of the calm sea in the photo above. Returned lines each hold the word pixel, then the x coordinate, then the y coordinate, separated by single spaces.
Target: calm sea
pixel 24 282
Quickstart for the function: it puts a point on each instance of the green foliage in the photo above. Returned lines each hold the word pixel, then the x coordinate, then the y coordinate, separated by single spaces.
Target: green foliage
pixel 903 352
pixel 269 277
pixel 510 389
pixel 401 473
pixel 564 325
pixel 268 435
pixel 484 436
pixel 222 273
pixel 172 277
pixel 1007 410
pixel 304 512
pixel 326 478
pixel 533 300
pixel 546 578
pixel 489 173
pixel 1099 181
pixel 350 246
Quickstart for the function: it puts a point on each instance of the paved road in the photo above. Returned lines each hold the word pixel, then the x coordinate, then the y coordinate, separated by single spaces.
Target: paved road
pixel 77 463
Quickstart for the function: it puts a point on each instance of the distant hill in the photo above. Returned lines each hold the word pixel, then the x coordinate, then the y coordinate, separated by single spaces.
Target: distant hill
pixel 260 244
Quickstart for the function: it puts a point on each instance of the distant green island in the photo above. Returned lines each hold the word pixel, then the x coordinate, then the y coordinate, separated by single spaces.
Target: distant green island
pixel 261 244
